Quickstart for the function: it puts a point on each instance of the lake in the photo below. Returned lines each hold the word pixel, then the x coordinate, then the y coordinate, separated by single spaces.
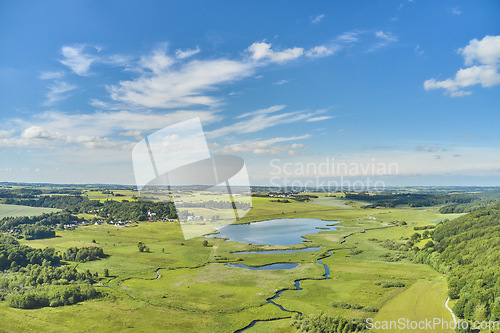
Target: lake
pixel 273 232
pixel 307 249
pixel 270 267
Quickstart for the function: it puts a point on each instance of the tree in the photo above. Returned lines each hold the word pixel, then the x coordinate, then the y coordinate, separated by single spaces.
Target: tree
pixel 106 272
pixel 415 237
pixel 141 246
pixel 205 243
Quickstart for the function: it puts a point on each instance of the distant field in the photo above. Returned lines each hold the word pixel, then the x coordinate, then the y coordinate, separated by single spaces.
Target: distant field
pixel 17 210
pixel 119 195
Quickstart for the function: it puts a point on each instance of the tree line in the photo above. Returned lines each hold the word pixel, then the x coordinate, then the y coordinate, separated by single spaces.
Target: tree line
pixel 467 249
pixel 36 227
pixel 409 199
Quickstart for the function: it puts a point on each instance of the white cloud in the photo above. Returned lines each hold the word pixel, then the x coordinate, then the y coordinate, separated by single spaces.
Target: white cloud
pixel 388 36
pixel 483 58
pixel 167 84
pixel 272 109
pixel 104 130
pixel 267 146
pixel 51 75
pixel 158 62
pixel 262 51
pixel 6 134
pixel 384 39
pixel 348 37
pixel 455 11
pixel 135 134
pixel 165 81
pixel 260 120
pixel 282 82
pixel 430 149
pixel 100 124
pixel 320 118
pixel 77 60
pixel 322 51
pixel 37 132
pixel 92 142
pixel 485 51
pixel 130 133
pixel 58 91
pixel 419 51
pixel 317 19
pixel 187 53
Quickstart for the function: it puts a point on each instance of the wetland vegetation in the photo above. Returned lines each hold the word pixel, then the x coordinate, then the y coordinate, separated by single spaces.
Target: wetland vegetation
pixel 383 262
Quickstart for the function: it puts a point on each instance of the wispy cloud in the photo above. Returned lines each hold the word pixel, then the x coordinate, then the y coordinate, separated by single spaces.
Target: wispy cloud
pixel 383 39
pixel 51 75
pixel 483 58
pixel 58 91
pixel 166 81
pixel 322 51
pixel 186 53
pixel 455 11
pixel 267 146
pixel 186 84
pixel 281 82
pixel 429 149
pixel 77 59
pixel 320 118
pixel 348 37
pixel 419 51
pixel 272 109
pixel 260 120
pixel 317 19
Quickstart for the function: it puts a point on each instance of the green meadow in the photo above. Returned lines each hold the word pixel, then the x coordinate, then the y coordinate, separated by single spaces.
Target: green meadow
pixel 183 286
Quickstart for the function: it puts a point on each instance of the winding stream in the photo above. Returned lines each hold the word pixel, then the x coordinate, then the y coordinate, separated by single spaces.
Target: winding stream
pixel 270 300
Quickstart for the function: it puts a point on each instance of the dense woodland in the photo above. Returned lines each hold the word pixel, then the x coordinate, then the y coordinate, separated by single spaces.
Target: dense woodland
pixel 410 199
pixel 469 207
pixel 467 249
pixel 137 210
pixel 33 278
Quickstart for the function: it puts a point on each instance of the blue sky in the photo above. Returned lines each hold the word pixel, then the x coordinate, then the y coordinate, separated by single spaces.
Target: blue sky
pixel 281 83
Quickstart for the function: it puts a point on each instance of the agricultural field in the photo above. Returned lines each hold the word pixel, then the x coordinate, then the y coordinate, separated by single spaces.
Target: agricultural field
pixel 164 289
pixel 16 210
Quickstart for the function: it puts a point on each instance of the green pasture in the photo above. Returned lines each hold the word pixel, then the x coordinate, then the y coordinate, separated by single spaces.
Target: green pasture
pixel 196 292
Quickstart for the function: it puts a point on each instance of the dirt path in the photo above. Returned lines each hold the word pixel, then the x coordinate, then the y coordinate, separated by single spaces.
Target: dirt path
pixel 451 311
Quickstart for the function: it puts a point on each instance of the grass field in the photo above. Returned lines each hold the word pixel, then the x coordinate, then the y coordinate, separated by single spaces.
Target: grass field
pixel 118 195
pixel 183 286
pixel 17 210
